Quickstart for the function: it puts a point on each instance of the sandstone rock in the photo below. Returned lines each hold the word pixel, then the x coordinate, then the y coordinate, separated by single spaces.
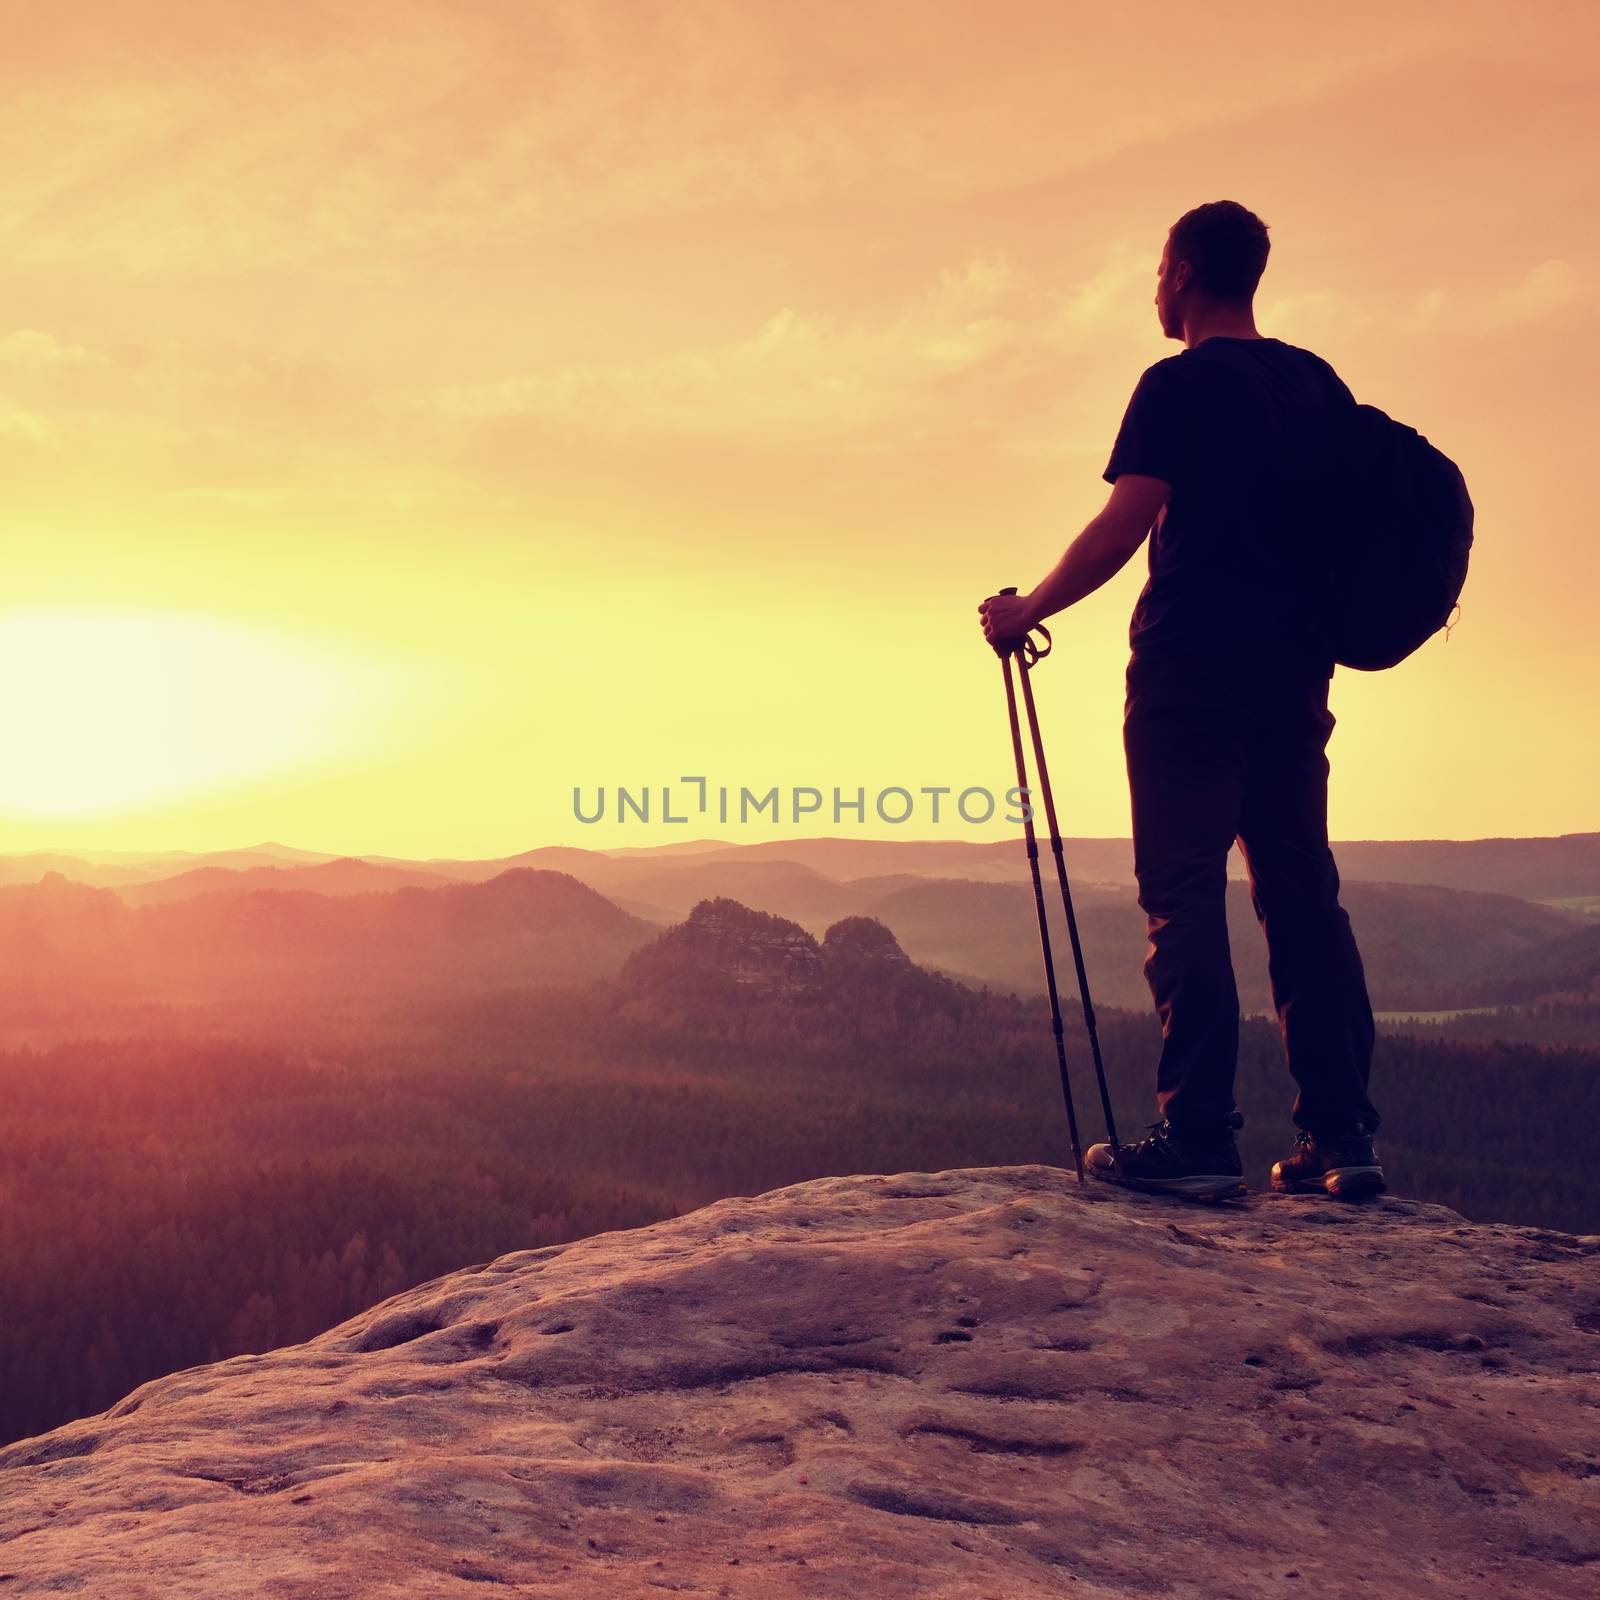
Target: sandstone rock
pixel 865 944
pixel 721 947
pixel 985 1382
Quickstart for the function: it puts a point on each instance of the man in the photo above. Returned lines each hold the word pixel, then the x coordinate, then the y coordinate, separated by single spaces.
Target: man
pixel 1226 719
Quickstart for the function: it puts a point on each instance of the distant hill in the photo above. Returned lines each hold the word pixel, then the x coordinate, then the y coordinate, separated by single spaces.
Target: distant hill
pixel 1415 940
pixel 345 876
pixel 98 874
pixel 166 862
pixel 63 938
pixel 1425 946
pixel 1563 868
pixel 522 926
pixel 64 941
pixel 114 869
pixel 839 859
pixel 1566 867
pixel 786 888
pixel 545 858
pixel 698 847
pixel 1109 860
pixel 670 884
pixel 1565 968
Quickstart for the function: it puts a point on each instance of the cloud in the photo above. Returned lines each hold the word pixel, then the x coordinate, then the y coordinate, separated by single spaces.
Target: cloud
pixel 798 379
pixel 1121 288
pixel 1543 291
pixel 31 347
pixel 986 354
pixel 169 142
pixel 24 426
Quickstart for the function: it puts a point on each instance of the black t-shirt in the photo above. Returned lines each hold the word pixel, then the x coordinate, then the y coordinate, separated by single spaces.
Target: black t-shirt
pixel 1237 427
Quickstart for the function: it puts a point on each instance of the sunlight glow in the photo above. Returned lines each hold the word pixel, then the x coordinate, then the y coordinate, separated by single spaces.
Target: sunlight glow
pixel 107 711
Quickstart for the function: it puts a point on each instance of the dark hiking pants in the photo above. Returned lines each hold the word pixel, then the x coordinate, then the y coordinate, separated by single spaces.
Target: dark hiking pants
pixel 1219 752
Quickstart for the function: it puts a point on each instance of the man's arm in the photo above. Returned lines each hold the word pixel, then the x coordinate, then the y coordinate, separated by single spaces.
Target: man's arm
pixel 1097 555
pixel 1104 548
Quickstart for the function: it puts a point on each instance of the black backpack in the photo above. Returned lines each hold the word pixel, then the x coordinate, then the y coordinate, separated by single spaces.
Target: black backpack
pixel 1397 540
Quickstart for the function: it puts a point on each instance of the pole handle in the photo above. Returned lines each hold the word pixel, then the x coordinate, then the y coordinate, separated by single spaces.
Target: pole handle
pixel 1024 646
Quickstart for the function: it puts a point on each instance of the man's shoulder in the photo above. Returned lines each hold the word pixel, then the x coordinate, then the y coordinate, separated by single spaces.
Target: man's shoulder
pixel 1217 360
pixel 1326 373
pixel 1168 365
pixel 1303 354
pixel 1168 374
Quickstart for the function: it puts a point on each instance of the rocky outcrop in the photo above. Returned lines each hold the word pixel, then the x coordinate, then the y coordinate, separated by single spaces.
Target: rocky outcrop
pixel 986 1382
pixel 863 944
pixel 725 949
pixel 730 972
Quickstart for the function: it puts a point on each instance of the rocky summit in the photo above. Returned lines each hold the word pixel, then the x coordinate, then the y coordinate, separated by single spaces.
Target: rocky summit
pixel 729 947
pixel 984 1382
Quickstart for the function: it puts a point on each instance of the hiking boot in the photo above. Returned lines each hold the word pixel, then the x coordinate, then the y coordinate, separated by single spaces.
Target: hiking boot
pixel 1343 1165
pixel 1192 1165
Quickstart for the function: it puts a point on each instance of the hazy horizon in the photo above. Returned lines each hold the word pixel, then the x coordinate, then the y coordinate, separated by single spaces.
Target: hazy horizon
pixel 291 851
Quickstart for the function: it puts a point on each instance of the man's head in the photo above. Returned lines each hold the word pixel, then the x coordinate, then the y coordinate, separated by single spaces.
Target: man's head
pixel 1213 260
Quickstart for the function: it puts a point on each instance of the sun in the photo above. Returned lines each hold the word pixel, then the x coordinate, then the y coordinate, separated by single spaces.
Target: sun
pixel 106 712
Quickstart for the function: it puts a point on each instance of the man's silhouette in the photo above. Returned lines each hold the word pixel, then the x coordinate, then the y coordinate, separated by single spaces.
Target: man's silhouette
pixel 1226 718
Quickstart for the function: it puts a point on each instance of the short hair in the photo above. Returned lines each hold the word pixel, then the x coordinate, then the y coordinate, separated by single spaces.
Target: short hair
pixel 1226 247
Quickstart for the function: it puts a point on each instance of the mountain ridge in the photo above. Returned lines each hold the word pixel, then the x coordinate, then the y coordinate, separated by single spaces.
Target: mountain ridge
pixel 1536 867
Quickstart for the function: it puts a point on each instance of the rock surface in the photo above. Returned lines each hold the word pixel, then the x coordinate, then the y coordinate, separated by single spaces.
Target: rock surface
pixel 984 1382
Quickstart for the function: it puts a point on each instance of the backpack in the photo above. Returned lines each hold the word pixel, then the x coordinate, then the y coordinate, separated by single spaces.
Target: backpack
pixel 1397 540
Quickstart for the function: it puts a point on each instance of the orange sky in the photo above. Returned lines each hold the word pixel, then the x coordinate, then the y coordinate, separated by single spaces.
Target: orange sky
pixel 410 412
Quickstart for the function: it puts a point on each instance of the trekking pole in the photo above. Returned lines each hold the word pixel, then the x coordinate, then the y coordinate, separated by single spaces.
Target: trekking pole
pixel 1066 901
pixel 1025 649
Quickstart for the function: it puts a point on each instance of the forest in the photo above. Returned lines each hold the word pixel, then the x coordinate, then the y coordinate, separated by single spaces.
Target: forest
pixel 240 1179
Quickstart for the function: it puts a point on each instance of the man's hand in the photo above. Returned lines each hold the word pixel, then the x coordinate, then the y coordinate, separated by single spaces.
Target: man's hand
pixel 1005 616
